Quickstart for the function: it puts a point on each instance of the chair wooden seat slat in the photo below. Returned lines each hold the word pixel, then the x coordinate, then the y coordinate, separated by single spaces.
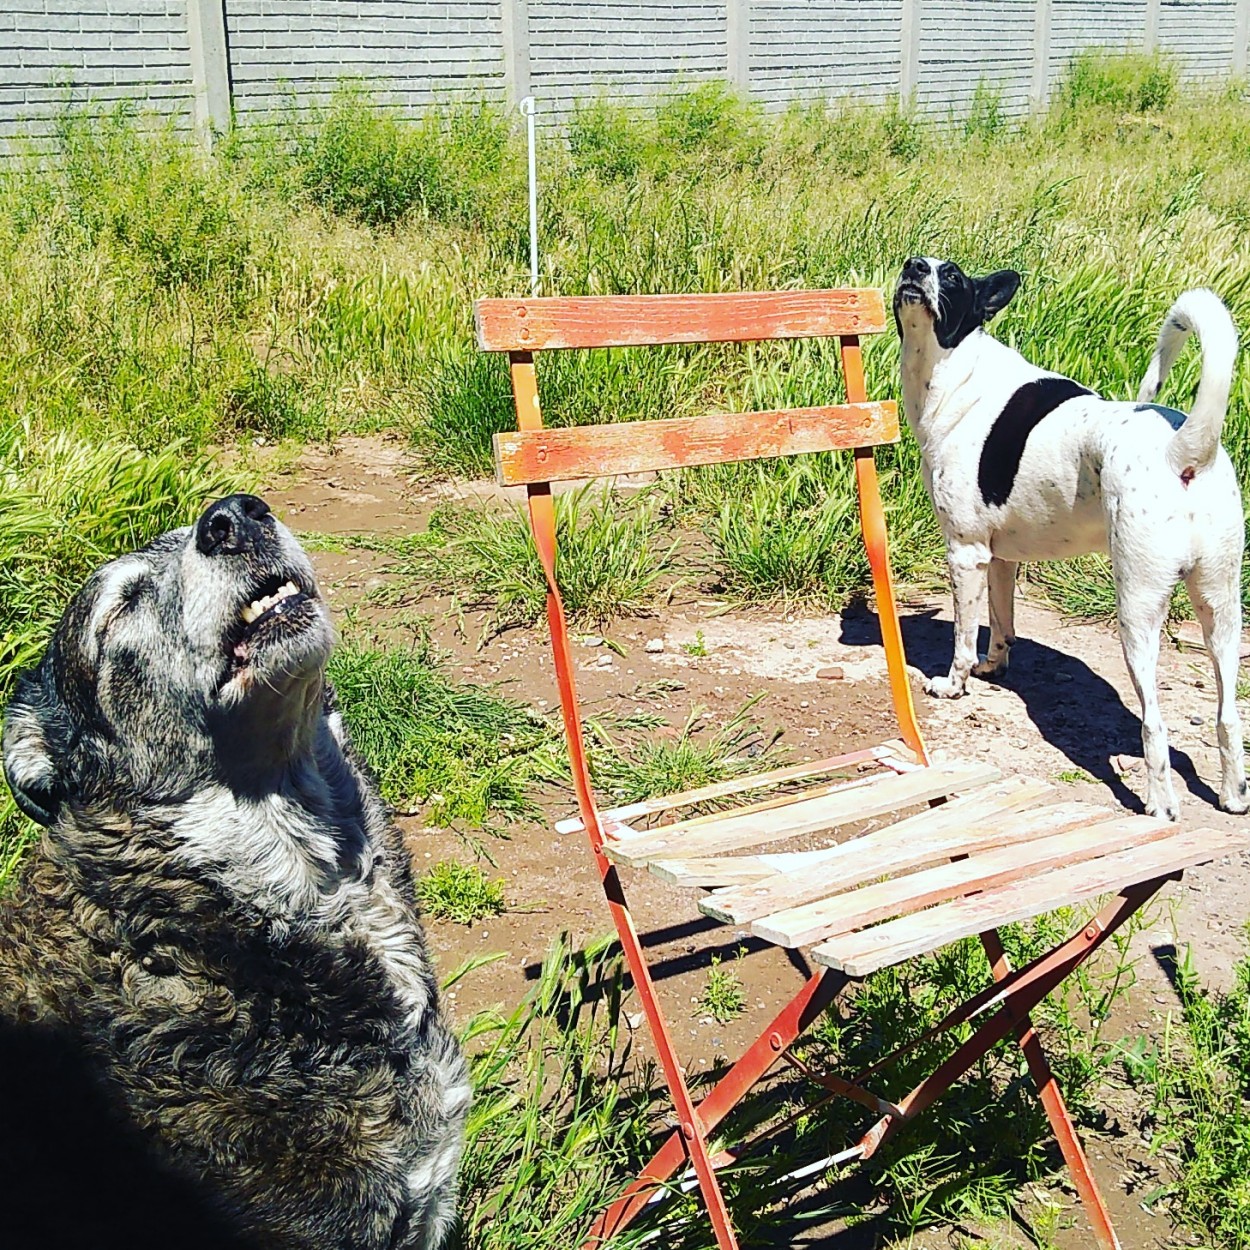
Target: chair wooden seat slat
pixel 963 824
pixel 866 951
pixel 975 822
pixel 860 799
pixel 984 852
pixel 1060 836
pixel 894 754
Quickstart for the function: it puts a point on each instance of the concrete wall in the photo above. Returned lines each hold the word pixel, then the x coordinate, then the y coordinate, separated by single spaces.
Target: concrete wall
pixel 201 59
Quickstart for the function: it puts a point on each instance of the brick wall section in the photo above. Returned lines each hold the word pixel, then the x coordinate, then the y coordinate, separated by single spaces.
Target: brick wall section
pixel 625 50
pixel 965 42
pixel 286 53
pixel 826 47
pixel 105 50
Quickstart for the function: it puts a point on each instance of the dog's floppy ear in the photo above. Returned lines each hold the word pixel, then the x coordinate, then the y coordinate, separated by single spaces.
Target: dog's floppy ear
pixel 995 292
pixel 29 765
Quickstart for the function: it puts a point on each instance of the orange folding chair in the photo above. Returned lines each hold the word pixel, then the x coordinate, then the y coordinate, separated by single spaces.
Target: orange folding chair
pixel 985 851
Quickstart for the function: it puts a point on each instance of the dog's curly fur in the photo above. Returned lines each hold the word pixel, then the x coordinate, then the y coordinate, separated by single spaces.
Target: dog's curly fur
pixel 218 1021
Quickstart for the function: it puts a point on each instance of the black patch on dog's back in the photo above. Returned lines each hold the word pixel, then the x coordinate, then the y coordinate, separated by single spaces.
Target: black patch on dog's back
pixel 1173 416
pixel 1004 445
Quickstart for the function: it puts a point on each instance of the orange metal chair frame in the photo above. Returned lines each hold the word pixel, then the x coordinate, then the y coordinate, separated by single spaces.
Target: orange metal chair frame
pixel 535 457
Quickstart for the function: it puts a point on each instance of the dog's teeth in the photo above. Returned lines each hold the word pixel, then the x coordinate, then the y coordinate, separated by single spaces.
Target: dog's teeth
pixel 258 607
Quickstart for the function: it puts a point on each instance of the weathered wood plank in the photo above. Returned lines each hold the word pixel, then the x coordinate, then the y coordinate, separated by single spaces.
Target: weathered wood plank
pixel 856 800
pixel 899 896
pixel 528 325
pixel 589 451
pixel 985 818
pixel 892 753
pixel 858 954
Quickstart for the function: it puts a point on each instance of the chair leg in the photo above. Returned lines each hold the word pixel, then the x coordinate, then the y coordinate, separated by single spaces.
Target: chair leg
pixel 817 993
pixel 1056 1109
pixel 691 1129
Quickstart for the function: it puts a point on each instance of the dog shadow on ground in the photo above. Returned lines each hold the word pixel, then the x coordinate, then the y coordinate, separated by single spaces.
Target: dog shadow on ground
pixel 1074 709
pixel 76 1174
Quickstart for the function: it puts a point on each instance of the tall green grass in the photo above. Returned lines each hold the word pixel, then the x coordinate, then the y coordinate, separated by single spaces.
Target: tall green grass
pixel 1197 1078
pixel 466 754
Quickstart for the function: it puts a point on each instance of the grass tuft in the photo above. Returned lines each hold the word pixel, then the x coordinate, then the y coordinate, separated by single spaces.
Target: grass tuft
pixel 611 559
pixel 461 893
pixel 724 996
pixel 463 752
pixel 1198 1078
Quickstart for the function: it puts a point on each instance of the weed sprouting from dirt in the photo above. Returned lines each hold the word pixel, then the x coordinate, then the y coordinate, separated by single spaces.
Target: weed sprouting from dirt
pixel 461 893
pixel 559 1111
pixel 699 754
pixel 724 996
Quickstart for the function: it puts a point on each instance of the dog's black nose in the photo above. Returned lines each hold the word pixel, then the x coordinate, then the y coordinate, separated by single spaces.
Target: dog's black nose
pixel 232 525
pixel 916 267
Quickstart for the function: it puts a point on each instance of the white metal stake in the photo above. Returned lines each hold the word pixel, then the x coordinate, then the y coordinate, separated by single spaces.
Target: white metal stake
pixel 528 107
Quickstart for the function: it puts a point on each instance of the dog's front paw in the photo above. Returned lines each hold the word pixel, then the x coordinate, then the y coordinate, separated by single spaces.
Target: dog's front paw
pixel 1164 809
pixel 944 688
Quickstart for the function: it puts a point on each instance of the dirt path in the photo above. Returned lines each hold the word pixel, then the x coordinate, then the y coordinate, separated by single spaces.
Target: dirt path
pixel 1065 712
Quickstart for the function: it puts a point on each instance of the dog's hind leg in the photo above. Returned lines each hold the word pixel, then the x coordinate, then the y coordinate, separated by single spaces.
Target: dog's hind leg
pixel 1218 608
pixel 1002 579
pixel 1141 611
pixel 968 566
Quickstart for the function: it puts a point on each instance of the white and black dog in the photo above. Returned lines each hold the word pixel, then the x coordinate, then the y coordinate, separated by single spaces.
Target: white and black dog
pixel 219 1026
pixel 1022 464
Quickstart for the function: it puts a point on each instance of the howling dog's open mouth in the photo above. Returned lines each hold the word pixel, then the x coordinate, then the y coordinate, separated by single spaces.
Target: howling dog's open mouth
pixel 278 607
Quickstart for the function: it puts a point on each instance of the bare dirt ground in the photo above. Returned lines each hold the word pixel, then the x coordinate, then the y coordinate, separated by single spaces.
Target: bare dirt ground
pixel 1065 712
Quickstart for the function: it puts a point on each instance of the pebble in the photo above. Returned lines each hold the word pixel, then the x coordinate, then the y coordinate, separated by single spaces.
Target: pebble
pixel 591 641
pixel 1195 720
pixel 834 672
pixel 654 646
pixel 605 660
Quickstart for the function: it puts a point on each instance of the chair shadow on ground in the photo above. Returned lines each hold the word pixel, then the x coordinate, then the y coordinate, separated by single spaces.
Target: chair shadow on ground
pixel 1075 710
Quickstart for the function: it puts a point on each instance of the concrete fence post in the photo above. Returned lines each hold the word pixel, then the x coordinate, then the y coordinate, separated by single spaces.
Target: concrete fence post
pixel 909 39
pixel 1150 39
pixel 738 44
pixel 1241 37
pixel 516 49
pixel 1039 87
pixel 210 69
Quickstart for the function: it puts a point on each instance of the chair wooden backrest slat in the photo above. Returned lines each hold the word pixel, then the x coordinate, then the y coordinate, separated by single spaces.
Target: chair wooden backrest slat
pixel 557 455
pixel 523 325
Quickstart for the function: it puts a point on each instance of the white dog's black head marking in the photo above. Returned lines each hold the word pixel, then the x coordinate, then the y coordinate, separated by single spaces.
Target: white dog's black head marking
pixel 171 665
pixel 956 303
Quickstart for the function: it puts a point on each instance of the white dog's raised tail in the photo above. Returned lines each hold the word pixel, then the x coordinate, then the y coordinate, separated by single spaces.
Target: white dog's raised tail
pixel 1201 312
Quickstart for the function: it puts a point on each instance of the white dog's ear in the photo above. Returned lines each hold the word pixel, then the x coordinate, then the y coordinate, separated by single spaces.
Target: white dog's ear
pixel 29 764
pixel 995 292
